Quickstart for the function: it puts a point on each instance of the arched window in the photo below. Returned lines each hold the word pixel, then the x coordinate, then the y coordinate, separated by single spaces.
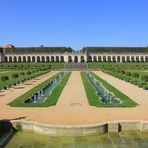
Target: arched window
pixel 142 59
pixel 118 59
pixel 76 59
pixel 38 59
pixel 128 59
pixel 28 59
pixel 33 59
pixel 43 59
pixel 90 58
pixel 47 59
pixel 82 59
pixel 69 59
pixel 132 59
pixel 99 59
pixel 109 59
pixel 57 59
pixel 104 58
pixel 15 59
pixel 137 58
pixel 6 59
pixel 24 59
pixel 94 59
pixel 123 58
pixel 62 58
pixel 19 59
pixel 114 59
pixel 52 58
pixel 10 59
pixel 146 59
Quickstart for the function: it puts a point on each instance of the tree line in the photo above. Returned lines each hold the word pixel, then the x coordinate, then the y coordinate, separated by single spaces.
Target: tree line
pixel 38 50
pixel 115 49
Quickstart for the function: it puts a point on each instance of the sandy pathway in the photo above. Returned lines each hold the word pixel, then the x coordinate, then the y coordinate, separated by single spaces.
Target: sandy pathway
pixel 72 106
pixel 73 93
pixel 16 91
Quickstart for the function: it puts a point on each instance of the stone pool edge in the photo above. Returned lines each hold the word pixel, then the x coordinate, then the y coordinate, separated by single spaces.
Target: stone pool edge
pixel 81 130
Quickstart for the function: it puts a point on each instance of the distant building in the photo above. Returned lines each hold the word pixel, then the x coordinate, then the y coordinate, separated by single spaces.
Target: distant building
pixel 48 54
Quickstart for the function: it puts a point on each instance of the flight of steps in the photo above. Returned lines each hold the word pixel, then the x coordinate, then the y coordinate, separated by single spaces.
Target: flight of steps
pixel 76 66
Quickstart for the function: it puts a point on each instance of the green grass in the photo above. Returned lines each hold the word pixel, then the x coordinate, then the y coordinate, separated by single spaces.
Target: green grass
pixel 24 65
pixel 52 99
pixel 135 65
pixel 94 100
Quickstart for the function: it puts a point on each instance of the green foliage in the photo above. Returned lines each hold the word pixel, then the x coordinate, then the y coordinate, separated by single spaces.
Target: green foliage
pixel 144 78
pixel 128 74
pixel 126 101
pixel 4 78
pixel 28 50
pixel 52 99
pixel 116 49
pixel 15 75
pixel 136 75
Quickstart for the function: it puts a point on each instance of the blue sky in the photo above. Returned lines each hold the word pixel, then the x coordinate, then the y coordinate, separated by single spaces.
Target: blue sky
pixel 74 23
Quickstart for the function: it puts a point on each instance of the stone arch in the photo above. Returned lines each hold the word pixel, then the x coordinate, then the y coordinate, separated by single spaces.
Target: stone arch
pixel 43 58
pixel 114 59
pixel 62 59
pixel 28 59
pixel 24 59
pixel 137 58
pixel 118 59
pixel 104 59
pixel 75 59
pixel 141 59
pixel 109 58
pixel 52 58
pixel 123 59
pixel 6 59
pixel 33 59
pixel 47 59
pixel 14 59
pixel 10 59
pixel 146 59
pixel 57 59
pixel 94 59
pixel 99 59
pixel 128 58
pixel 19 59
pixel 82 59
pixel 69 59
pixel 38 59
pixel 132 59
pixel 90 58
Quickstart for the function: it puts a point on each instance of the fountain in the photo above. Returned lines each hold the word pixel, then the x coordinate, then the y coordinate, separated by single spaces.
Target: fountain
pixel 104 95
pixel 42 95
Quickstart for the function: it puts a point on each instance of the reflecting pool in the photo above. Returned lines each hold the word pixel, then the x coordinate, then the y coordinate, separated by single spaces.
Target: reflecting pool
pixel 103 94
pixel 130 139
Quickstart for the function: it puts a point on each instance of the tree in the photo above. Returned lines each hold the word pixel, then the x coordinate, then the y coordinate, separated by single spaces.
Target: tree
pixel 28 73
pixel 14 76
pixel 128 74
pixel 22 73
pixel 144 78
pixel 4 79
pixel 136 75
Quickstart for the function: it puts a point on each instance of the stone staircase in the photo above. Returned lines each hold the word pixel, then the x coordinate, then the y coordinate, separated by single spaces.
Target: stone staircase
pixel 76 66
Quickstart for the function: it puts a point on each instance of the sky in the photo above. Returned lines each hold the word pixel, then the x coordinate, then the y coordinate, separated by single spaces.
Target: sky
pixel 74 23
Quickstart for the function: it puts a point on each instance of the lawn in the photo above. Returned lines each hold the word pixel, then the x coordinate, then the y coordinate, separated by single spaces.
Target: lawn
pixel 94 99
pixel 52 99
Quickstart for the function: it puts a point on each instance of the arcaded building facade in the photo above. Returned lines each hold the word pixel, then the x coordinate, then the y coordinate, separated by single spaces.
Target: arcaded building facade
pixel 75 57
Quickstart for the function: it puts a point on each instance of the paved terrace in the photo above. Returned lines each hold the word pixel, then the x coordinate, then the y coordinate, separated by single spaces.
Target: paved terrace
pixel 72 106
